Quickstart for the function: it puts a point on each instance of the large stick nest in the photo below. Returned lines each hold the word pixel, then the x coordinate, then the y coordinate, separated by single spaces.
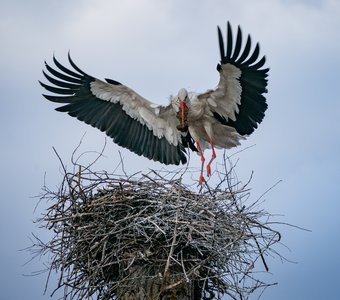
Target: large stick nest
pixel 116 234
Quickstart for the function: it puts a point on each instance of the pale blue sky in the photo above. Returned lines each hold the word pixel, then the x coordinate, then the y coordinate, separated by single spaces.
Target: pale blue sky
pixel 157 47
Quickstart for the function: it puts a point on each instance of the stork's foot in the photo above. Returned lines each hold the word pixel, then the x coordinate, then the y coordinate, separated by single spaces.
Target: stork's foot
pixel 201 180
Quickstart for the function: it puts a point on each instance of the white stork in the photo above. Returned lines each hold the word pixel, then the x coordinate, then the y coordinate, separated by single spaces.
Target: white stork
pixel 218 118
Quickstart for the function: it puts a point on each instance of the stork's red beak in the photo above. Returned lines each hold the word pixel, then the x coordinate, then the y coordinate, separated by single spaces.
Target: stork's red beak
pixel 183 110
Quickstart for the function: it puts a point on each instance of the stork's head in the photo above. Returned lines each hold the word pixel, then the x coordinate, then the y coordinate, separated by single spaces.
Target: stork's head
pixel 182 95
pixel 181 100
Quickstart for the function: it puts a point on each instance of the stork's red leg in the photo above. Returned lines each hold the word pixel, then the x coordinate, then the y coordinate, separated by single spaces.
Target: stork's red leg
pixel 201 180
pixel 212 157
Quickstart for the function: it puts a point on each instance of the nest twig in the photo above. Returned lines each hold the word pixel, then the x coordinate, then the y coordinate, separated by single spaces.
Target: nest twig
pixel 114 234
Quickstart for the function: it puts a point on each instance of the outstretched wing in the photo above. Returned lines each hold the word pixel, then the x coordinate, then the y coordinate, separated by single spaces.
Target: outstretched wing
pixel 132 121
pixel 238 100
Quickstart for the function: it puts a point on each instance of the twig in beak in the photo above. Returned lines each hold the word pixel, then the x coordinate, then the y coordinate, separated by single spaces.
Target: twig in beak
pixel 183 111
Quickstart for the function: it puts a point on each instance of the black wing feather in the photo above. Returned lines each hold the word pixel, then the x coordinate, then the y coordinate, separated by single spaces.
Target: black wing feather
pixel 72 89
pixel 229 44
pixel 220 42
pixel 253 57
pixel 238 44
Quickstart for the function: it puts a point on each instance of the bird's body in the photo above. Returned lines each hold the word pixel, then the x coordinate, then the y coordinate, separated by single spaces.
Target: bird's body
pixel 219 117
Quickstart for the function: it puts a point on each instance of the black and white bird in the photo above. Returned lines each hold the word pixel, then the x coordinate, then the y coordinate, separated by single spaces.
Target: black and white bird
pixel 217 118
